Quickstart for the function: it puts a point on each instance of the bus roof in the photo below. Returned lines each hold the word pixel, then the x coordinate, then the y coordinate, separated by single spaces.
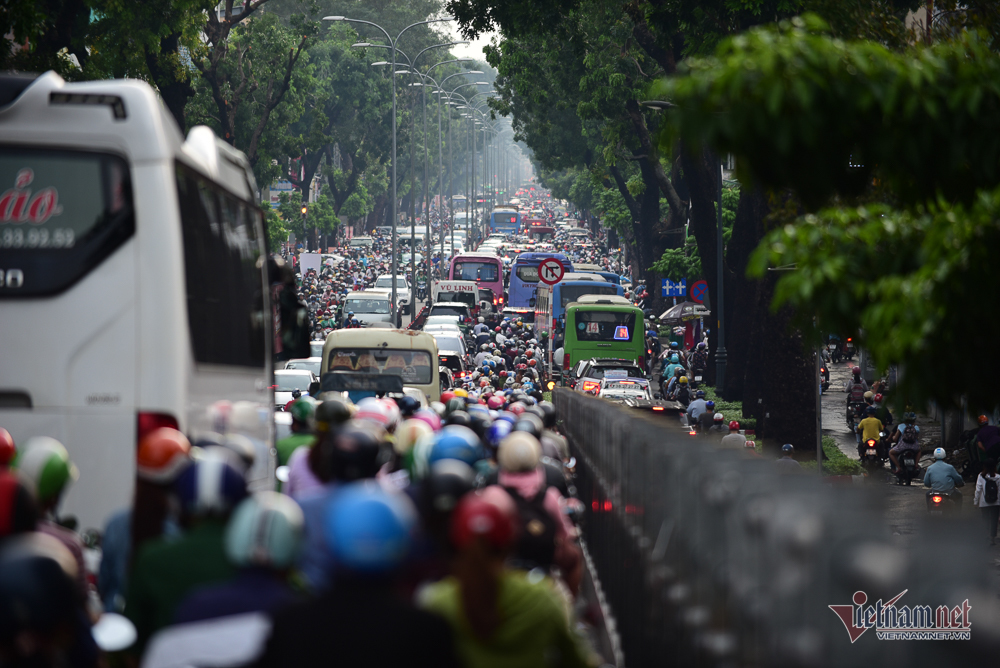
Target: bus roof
pixel 588 267
pixel 476 256
pixel 538 257
pixel 604 300
pixel 582 276
pixel 389 338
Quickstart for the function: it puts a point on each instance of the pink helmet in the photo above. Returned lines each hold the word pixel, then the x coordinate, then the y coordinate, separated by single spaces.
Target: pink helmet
pixel 495 402
pixel 430 417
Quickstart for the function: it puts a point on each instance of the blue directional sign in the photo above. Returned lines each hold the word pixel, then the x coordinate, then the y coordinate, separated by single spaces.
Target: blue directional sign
pixel 671 289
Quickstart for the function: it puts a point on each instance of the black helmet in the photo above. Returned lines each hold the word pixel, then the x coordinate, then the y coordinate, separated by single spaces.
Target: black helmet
pixel 37 585
pixel 529 423
pixel 454 404
pixel 459 417
pixel 447 481
pixel 548 414
pixel 407 405
pixel 347 454
pixel 536 410
pixel 330 413
pixel 787 448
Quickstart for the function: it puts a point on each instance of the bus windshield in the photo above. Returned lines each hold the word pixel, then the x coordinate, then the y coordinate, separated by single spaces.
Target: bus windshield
pixel 379 306
pixel 476 271
pixel 528 273
pixel 570 293
pixel 414 366
pixel 604 325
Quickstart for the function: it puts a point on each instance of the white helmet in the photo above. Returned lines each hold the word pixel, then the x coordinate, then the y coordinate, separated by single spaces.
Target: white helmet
pixel 519 452
pixel 939 453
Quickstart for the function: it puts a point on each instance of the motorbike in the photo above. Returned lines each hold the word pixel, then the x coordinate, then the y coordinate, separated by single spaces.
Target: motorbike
pixel 943 503
pixel 908 469
pixel 833 350
pixel 855 413
pixel 848 349
pixel 871 458
pixel 824 373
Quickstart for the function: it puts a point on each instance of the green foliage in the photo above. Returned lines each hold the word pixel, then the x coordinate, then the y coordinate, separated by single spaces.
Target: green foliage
pixel 685 262
pixel 731 410
pixel 824 117
pixel 277 231
pixel 836 462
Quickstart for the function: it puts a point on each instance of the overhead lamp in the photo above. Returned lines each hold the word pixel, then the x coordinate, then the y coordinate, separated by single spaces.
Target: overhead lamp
pixel 333 18
pixel 381 62
pixel 472 72
pixel 402 72
pixel 361 44
pixel 482 83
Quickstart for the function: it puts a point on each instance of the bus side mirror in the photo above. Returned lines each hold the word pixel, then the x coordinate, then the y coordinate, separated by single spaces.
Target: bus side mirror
pixel 315 388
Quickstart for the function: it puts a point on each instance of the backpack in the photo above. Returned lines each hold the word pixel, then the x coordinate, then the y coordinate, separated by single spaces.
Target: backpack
pixel 536 543
pixel 910 434
pixel 991 491
pixel 857 392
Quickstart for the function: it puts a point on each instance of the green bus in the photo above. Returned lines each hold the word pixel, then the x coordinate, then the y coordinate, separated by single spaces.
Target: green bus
pixel 607 326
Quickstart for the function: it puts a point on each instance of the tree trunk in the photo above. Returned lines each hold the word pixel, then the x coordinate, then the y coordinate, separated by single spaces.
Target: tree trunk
pixel 748 229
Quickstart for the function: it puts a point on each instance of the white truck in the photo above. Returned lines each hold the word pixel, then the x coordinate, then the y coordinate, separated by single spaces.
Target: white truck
pixel 461 291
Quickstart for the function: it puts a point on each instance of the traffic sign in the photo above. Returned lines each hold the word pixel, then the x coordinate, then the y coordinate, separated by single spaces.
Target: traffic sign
pixel 551 271
pixel 671 289
pixel 699 291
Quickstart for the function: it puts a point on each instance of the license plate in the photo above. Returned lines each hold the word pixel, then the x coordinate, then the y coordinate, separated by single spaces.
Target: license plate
pixel 871 452
pixel 936 512
pixel 832 346
pixel 850 345
pixel 697 379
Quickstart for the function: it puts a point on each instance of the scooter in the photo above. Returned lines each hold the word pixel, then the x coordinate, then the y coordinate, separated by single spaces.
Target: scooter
pixel 848 350
pixel 944 503
pixel 870 456
pixel 908 469
pixel 855 412
pixel 825 375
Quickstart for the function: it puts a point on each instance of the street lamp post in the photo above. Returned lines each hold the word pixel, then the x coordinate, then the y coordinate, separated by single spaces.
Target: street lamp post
pixel 720 351
pixel 392 44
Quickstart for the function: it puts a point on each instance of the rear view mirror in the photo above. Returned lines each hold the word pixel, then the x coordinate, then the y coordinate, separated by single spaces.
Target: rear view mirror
pixel 314 388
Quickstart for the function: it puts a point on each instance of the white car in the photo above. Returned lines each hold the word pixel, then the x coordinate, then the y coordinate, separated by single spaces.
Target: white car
pixel 616 389
pixel 384 282
pixel 449 341
pixel 311 363
pixel 288 380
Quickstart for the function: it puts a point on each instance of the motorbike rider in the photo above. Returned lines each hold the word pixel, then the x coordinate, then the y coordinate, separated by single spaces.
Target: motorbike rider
pixel 706 419
pixel 786 464
pixel 734 439
pixel 942 477
pixel 988 439
pixel 697 407
pixel 699 360
pixel 348 319
pixel 682 393
pixel 856 387
pixel 718 424
pixel 882 411
pixel 905 438
pixel 869 428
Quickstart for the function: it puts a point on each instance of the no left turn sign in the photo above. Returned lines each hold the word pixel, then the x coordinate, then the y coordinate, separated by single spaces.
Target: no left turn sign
pixel 551 271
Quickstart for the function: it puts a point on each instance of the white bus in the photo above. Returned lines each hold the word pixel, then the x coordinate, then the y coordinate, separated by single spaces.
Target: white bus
pixel 135 291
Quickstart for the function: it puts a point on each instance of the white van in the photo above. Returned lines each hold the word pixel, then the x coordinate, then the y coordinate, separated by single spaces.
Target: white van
pixel 369 306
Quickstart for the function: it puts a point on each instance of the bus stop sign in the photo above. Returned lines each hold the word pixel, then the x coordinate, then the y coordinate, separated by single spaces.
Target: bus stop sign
pixel 551 271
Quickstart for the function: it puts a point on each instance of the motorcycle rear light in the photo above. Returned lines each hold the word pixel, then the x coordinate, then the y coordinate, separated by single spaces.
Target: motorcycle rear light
pixel 657 408
pixel 936 498
pixel 150 422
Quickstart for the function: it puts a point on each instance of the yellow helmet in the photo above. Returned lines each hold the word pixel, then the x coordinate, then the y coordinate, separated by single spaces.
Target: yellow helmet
pixel 461 393
pixel 683 380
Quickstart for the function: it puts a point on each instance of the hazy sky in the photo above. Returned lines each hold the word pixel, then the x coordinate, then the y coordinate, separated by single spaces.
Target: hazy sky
pixel 474 49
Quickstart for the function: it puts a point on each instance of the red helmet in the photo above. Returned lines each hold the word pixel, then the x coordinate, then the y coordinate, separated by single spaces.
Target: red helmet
pixel 503 374
pixel 476 518
pixel 856 371
pixel 497 329
pixel 7 449
pixel 982 420
pixel 531 362
pixel 517 408
pixel 446 397
pixel 734 426
pixel 878 397
pixel 529 352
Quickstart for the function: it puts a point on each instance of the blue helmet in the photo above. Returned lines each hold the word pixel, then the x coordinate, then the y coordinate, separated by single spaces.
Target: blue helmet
pixel 674 359
pixel 369 530
pixel 496 433
pixel 700 394
pixel 456 442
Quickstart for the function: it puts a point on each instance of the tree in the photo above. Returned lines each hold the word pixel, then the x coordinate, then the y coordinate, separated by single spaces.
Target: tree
pixel 900 245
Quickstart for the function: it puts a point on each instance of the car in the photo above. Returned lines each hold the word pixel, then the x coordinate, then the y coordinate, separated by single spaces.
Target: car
pixel 443 328
pixel 454 360
pixel 450 341
pixel 460 309
pixel 384 282
pixel 311 363
pixel 288 380
pixel 316 348
pixel 620 387
pixel 589 373
pixel 357 242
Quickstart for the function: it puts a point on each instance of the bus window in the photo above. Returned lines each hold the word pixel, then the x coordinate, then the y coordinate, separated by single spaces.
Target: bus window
pixel 570 293
pixel 414 366
pixel 528 273
pixel 225 298
pixel 475 271
pixel 79 209
pixel 604 325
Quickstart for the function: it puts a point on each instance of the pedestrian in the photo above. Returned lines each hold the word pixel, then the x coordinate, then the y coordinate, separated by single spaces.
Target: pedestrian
pixel 987 497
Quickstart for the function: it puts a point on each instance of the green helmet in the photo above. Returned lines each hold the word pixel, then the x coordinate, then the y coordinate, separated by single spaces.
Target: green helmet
pixel 454 404
pixel 265 530
pixel 44 465
pixel 303 410
pixel 545 335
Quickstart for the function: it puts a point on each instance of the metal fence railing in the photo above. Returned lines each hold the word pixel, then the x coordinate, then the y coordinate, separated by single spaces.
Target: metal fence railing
pixel 709 557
